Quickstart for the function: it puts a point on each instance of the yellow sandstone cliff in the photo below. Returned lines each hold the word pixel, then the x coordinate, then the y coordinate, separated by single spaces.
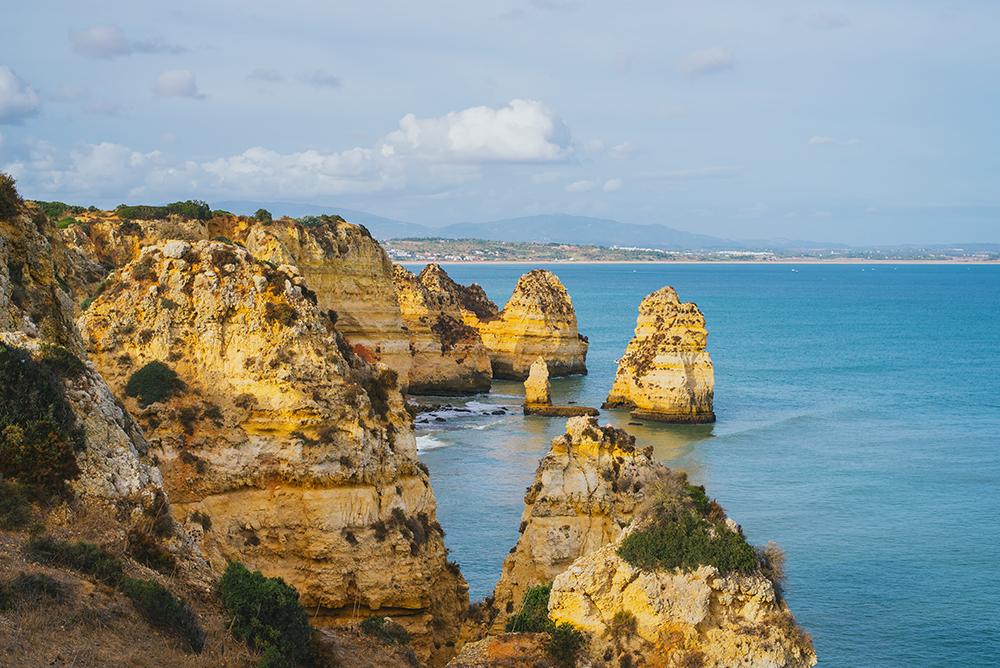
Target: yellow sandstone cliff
pixel 448 356
pixel 666 374
pixel 538 320
pixel 279 447
pixel 586 490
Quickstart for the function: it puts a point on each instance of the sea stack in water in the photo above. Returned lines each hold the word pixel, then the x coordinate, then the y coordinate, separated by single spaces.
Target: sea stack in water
pixel 537 320
pixel 586 490
pixel 538 400
pixel 666 374
pixel 448 356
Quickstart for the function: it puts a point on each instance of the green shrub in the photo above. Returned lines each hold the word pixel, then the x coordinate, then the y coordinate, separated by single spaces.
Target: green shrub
pixel 283 314
pixel 14 509
pixel 152 383
pixel 391 632
pixel 191 209
pixel 267 614
pixel 771 561
pixel 533 617
pixel 378 388
pixel 84 557
pixel 162 608
pixel 10 199
pixel 38 433
pixel 263 216
pixel 62 361
pixel 31 588
pixel 686 540
pixel 623 624
pixel 85 304
pixel 168 303
pixel 565 642
pixel 223 239
pixel 66 222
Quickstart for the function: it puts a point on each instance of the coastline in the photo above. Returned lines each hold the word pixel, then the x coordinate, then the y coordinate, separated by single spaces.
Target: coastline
pixel 788 261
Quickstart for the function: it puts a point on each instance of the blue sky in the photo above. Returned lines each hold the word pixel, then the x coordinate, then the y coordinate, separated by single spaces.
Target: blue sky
pixel 856 122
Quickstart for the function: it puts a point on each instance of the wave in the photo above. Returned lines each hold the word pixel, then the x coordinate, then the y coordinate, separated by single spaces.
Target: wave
pixel 428 442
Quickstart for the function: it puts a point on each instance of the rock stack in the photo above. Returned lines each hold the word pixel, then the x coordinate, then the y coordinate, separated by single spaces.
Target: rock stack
pixel 666 374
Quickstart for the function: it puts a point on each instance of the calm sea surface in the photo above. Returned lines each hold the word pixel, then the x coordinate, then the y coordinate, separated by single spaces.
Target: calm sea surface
pixel 858 426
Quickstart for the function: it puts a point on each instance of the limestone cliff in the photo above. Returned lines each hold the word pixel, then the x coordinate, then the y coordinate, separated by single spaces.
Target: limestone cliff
pixel 666 374
pixel 279 446
pixel 448 356
pixel 586 489
pixel 675 618
pixel 538 320
pixel 537 387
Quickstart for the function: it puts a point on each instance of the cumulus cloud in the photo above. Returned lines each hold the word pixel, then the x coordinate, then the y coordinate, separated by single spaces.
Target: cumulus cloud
pixel 593 145
pixel 71 93
pixel 612 185
pixel 830 141
pixel 522 131
pixel 177 83
pixel 424 154
pixel 102 107
pixel 323 79
pixel 707 61
pixel 264 74
pixel 18 100
pixel 724 172
pixel 108 41
pixel 579 186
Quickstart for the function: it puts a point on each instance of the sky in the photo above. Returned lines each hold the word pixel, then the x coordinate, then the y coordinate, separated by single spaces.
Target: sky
pixel 864 123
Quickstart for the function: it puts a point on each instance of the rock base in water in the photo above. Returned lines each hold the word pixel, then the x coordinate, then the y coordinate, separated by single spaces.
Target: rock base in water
pixel 674 418
pixel 547 410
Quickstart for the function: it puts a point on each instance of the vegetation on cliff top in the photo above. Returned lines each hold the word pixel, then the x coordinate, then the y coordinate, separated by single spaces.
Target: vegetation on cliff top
pixel 533 617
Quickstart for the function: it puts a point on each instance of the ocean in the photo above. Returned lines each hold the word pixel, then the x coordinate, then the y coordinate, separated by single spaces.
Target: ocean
pixel 858 427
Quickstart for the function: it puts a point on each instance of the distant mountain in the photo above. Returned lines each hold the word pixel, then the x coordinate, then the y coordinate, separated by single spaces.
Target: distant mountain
pixel 563 228
pixel 381 228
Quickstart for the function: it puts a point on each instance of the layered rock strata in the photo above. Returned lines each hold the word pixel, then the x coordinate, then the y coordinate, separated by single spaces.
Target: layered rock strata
pixel 447 356
pixel 538 320
pixel 278 445
pixel 538 400
pixel 666 374
pixel 677 618
pixel 586 490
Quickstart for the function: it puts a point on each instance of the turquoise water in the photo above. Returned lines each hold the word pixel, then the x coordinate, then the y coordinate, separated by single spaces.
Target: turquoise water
pixel 858 426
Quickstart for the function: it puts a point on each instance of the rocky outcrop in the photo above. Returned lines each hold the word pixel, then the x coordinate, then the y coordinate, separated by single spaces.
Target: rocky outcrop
pixel 586 490
pixel 278 445
pixel 537 399
pixel 536 388
pixel 508 650
pixel 538 320
pixel 448 356
pixel 678 618
pixel 666 374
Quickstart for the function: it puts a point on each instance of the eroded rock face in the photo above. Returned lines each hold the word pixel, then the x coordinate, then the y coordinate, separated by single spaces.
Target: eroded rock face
pixel 508 650
pixel 666 374
pixel 694 618
pixel 586 490
pixel 538 320
pixel 350 274
pixel 282 449
pixel 536 388
pixel 448 356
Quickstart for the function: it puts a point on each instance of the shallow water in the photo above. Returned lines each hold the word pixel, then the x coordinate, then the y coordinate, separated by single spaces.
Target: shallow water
pixel 858 426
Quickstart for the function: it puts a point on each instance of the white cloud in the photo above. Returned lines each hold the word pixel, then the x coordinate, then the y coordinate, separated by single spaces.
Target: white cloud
pixel 102 107
pixel 624 150
pixel 168 138
pixel 18 100
pixel 821 214
pixel 612 185
pixel 177 83
pixel 593 145
pixel 108 41
pixel 323 79
pixel 264 74
pixel 670 111
pixel 707 61
pixel 580 187
pixel 425 155
pixel 724 172
pixel 827 21
pixel 547 177
pixel 827 141
pixel 522 131
pixel 71 93
pixel 872 209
